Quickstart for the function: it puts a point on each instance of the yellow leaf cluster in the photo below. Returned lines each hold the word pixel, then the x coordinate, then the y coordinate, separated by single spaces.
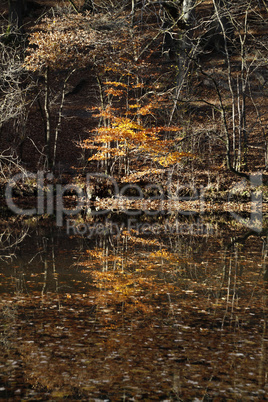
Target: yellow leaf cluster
pixel 114 92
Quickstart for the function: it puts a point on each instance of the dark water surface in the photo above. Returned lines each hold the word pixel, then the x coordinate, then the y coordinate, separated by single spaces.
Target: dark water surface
pixel 130 310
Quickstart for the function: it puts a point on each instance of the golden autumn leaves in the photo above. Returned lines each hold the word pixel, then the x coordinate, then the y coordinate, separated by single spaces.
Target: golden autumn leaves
pixel 125 135
pixel 130 104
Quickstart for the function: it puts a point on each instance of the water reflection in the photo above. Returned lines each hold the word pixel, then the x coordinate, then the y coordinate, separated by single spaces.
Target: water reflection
pixel 176 315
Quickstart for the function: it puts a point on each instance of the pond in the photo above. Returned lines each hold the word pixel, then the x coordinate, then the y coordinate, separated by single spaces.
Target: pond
pixel 116 307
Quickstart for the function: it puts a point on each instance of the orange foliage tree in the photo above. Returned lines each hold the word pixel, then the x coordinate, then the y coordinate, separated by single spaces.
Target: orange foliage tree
pixel 132 136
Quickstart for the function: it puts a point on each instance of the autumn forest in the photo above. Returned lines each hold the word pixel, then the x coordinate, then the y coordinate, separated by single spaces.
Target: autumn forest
pixel 133 188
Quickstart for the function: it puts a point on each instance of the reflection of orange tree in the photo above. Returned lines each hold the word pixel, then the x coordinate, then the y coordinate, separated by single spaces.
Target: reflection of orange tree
pixel 125 333
pixel 130 285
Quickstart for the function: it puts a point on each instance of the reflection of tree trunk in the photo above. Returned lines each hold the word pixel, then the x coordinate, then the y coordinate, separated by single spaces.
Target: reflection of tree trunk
pixel 264 256
pixel 45 273
pixel 266 152
pixel 19 275
pixel 49 264
pixel 263 357
pixel 242 240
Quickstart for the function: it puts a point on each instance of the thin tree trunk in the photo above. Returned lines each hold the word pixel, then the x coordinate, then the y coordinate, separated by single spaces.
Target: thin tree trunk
pixel 185 46
pixel 186 42
pixel 60 118
pixel 48 119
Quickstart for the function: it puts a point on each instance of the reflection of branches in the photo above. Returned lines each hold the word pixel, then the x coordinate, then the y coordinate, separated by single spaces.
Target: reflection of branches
pixel 262 235
pixel 242 239
pixel 9 162
pixel 8 242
